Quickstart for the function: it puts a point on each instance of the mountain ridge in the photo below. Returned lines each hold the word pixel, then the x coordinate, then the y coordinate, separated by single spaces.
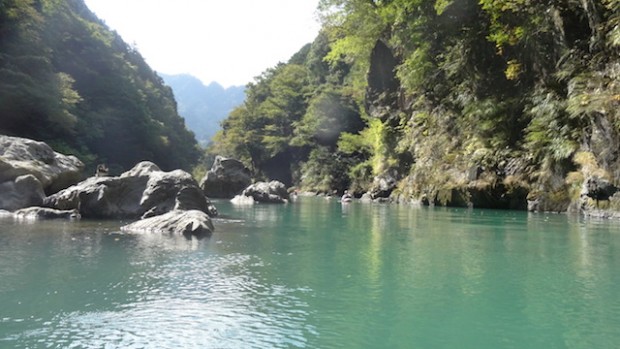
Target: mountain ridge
pixel 202 105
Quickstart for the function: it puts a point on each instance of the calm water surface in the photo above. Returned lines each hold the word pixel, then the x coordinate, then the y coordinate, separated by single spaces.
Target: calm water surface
pixel 316 274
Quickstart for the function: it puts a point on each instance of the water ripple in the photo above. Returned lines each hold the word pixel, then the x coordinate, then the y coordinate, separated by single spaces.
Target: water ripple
pixel 204 303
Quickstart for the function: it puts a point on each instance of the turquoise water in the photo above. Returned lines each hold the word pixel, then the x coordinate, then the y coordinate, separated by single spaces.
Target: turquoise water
pixel 316 274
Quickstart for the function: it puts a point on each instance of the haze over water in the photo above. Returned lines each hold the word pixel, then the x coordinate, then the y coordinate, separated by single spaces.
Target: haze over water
pixel 316 274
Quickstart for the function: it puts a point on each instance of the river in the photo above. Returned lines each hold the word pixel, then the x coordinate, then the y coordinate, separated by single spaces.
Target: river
pixel 316 274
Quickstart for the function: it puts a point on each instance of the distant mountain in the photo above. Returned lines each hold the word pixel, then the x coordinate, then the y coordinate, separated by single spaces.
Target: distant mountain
pixel 203 107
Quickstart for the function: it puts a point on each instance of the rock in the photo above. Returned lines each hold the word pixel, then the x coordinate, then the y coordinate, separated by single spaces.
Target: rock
pixel 5 214
pixel 552 201
pixel 161 190
pixel 24 191
pixel 37 213
pixel 142 191
pixel 267 192
pixel 346 197
pixel 366 197
pixel 383 186
pixel 382 93
pixel 598 188
pixel 188 223
pixel 142 169
pixel 227 178
pixel 102 197
pixel 602 214
pixel 193 198
pixel 242 200
pixel 20 156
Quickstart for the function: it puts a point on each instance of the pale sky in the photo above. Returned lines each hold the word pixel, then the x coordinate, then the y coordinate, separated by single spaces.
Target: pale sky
pixel 228 41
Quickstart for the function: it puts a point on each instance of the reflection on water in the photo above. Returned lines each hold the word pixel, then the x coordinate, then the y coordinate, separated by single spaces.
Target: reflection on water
pixel 189 306
pixel 316 274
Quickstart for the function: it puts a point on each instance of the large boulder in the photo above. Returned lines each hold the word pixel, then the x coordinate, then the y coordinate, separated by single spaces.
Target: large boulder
pixel 188 223
pixel 227 178
pixel 24 191
pixel 20 156
pixel 143 191
pixel 142 169
pixel 161 190
pixel 267 192
pixel 102 197
pixel 192 198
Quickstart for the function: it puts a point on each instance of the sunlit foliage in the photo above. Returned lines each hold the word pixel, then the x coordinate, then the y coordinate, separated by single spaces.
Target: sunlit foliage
pixel 491 94
pixel 66 79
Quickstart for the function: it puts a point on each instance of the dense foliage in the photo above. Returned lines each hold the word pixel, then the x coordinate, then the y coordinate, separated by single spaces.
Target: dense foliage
pixel 291 120
pixel 66 79
pixel 463 100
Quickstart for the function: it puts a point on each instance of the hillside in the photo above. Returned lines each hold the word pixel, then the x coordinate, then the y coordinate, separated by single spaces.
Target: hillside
pixel 67 79
pixel 203 107
pixel 483 103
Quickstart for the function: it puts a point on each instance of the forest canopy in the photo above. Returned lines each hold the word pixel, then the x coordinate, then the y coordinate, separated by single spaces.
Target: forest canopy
pixel 444 100
pixel 68 80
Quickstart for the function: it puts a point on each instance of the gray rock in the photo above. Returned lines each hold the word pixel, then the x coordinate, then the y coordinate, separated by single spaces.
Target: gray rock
pixel 24 191
pixel 383 186
pixel 188 223
pixel 242 200
pixel 366 197
pixel 20 156
pixel 192 198
pixel 161 191
pixel 267 192
pixel 6 214
pixel 38 213
pixel 142 191
pixel 102 197
pixel 142 169
pixel 227 178
pixel 533 205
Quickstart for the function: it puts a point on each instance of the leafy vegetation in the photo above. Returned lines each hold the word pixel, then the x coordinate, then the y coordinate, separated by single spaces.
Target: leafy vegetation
pixel 455 97
pixel 290 123
pixel 66 79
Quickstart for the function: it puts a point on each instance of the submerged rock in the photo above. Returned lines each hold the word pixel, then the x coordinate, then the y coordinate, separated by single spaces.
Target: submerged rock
pixel 179 222
pixel 37 213
pixel 242 200
pixel 227 178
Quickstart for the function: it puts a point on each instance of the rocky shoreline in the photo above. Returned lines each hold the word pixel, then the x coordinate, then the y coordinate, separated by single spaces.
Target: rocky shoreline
pixel 37 183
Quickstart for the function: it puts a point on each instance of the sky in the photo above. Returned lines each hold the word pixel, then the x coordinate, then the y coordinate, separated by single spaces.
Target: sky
pixel 227 41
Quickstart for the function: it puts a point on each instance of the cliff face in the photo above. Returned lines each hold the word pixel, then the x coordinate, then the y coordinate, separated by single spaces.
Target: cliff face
pixel 477 103
pixel 447 168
